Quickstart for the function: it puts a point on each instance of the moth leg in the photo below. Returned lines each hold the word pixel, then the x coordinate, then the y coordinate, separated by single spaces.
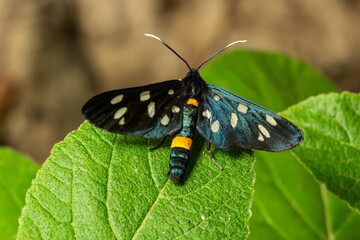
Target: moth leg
pixel 211 156
pixel 159 145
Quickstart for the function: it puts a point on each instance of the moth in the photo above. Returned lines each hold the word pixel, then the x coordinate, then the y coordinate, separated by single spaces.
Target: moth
pixel 181 107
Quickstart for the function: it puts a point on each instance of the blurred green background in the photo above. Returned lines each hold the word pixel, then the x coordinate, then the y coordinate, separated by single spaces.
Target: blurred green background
pixel 57 54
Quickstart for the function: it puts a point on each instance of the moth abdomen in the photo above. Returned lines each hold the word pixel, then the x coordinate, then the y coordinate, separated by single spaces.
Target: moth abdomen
pixel 179 159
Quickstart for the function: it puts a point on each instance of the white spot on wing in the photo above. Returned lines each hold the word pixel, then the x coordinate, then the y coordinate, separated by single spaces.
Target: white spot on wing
pixel 122 121
pixel 263 130
pixel 207 114
pixel 271 120
pixel 144 96
pixel 215 126
pixel 242 108
pixel 175 109
pixel 234 120
pixel 151 109
pixel 119 113
pixel 117 99
pixel 171 92
pixel 217 98
pixel 165 120
pixel 260 138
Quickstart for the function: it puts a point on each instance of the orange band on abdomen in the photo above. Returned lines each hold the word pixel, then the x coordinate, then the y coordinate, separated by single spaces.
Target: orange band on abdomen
pixel 192 101
pixel 182 142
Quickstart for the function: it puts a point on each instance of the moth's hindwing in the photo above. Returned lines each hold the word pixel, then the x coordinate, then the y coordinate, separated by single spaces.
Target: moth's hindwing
pixel 225 118
pixel 152 111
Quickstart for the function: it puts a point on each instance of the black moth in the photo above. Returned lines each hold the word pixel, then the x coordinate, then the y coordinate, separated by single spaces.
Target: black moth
pixel 180 107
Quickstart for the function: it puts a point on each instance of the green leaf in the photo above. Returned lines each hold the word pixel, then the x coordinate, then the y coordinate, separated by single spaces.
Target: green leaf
pixel 16 173
pixel 331 125
pixel 98 185
pixel 288 203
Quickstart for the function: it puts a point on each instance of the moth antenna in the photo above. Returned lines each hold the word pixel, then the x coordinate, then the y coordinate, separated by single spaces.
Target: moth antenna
pixel 233 43
pixel 153 36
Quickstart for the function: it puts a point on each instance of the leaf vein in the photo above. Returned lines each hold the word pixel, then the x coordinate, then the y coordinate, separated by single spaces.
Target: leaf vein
pixel 96 130
pixel 150 210
pixel 270 221
pixel 56 197
pixel 327 219
pixel 89 175
pixel 344 224
pixel 107 190
pixel 72 191
pixel 198 189
pixel 58 164
pixel 333 138
pixel 293 204
pixel 46 210
pixel 58 179
pixel 151 170
pixel 38 228
pixel 88 152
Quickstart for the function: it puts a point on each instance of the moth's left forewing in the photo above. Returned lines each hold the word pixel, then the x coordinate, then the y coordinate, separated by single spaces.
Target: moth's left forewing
pixel 151 111
pixel 244 123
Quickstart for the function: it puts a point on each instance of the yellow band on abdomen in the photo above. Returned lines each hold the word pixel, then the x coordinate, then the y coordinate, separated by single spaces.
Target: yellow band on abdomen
pixel 192 101
pixel 182 142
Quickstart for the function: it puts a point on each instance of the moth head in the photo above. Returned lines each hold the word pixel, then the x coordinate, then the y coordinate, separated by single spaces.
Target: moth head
pixel 193 73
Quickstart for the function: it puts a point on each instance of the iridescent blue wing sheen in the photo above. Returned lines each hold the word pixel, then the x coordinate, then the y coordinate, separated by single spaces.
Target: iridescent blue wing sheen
pixel 153 111
pixel 225 118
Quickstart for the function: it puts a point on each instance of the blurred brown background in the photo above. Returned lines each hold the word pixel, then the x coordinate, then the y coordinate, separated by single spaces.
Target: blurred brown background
pixel 57 54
